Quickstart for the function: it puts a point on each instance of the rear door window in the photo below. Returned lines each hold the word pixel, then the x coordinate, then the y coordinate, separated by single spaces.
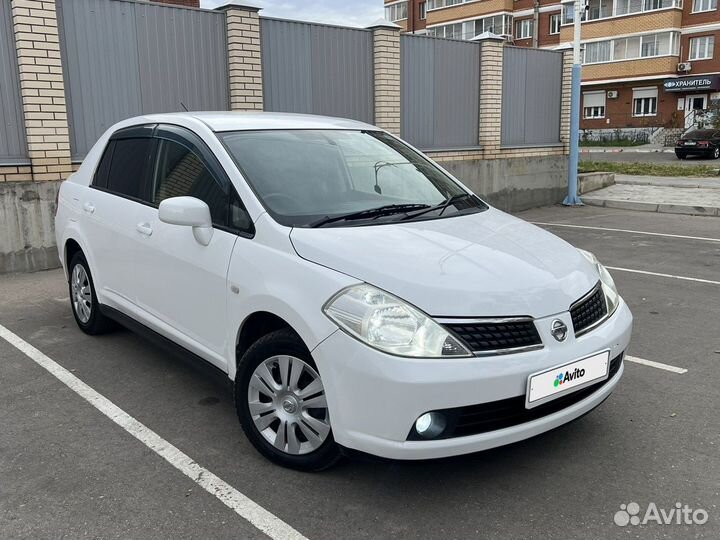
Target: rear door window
pixel 129 166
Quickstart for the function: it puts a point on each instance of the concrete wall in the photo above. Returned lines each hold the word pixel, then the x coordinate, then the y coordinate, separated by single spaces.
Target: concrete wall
pixel 27 216
pixel 514 184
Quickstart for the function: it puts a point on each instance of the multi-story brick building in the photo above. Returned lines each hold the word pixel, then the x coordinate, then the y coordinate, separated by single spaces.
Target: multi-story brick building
pixel 646 63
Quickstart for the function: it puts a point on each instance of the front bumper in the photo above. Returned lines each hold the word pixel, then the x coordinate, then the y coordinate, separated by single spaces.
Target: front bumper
pixel 374 398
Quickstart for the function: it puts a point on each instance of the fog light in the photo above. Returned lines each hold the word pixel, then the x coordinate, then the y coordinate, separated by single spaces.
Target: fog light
pixel 430 425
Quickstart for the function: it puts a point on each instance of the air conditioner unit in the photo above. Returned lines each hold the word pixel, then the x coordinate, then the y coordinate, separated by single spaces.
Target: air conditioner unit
pixel 684 67
pixel 612 94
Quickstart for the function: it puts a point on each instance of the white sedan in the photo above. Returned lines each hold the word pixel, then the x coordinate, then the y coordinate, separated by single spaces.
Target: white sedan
pixel 357 294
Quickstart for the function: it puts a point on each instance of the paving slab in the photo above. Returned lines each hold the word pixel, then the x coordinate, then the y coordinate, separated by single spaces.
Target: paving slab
pixel 698 201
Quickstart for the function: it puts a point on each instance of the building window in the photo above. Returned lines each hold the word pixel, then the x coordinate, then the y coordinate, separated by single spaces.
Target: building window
pixel 423 11
pixel 396 12
pixel 437 4
pixel 524 29
pixel 598 51
pixel 645 101
pixel 499 24
pixel 704 5
pixel 602 9
pixel 701 48
pixel 555 24
pixel 594 104
pixel 632 48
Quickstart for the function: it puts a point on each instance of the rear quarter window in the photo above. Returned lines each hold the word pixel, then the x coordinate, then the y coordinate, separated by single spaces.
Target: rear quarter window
pixel 101 173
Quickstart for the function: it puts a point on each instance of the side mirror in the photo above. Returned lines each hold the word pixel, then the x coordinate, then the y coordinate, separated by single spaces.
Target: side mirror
pixel 188 212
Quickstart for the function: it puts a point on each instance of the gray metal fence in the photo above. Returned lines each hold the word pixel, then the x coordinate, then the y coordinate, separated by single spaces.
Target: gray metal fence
pixel 13 148
pixel 317 69
pixel 532 92
pixel 124 58
pixel 440 86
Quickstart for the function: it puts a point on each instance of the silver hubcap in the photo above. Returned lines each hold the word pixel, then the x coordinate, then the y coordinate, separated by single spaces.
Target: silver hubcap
pixel 81 294
pixel 287 404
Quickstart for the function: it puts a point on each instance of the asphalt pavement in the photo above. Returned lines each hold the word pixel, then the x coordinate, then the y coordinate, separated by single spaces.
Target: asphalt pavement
pixel 68 471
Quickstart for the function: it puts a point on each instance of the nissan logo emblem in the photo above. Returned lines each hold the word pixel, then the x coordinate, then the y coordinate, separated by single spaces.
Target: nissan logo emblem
pixel 559 330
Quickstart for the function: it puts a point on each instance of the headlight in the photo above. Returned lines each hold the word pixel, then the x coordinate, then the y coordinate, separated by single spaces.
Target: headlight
pixel 608 284
pixel 391 325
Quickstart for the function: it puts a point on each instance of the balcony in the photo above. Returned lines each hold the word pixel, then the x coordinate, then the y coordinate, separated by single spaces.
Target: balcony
pixel 626 24
pixel 661 66
pixel 472 8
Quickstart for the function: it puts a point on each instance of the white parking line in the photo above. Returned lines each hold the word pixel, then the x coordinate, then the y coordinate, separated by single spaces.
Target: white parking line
pixel 657 365
pixel 705 239
pixel 658 274
pixel 263 520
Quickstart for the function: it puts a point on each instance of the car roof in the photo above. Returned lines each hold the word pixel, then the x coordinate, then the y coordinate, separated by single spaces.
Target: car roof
pixel 702 133
pixel 247 121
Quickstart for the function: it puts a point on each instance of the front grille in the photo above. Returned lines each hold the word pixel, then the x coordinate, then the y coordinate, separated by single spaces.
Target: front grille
pixel 588 311
pixel 496 336
pixel 474 419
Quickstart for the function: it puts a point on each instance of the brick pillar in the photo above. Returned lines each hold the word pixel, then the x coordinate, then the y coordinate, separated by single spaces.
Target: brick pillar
pixel 386 60
pixel 244 57
pixel 42 88
pixel 565 100
pixel 491 85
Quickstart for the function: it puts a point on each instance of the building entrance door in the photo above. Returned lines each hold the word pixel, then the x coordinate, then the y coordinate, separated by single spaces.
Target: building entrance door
pixel 693 104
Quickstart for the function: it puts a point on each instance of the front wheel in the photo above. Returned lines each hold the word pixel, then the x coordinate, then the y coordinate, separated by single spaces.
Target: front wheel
pixel 281 404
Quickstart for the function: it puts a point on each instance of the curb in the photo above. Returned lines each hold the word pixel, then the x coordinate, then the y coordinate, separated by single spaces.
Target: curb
pixel 600 150
pixel 660 208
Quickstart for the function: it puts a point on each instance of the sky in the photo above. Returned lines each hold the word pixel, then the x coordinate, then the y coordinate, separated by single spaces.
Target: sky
pixel 343 12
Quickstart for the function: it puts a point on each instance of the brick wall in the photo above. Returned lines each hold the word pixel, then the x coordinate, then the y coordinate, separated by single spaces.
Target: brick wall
pixel 470 9
pixel 661 66
pixel 386 58
pixel 244 59
pixel 42 89
pixel 618 112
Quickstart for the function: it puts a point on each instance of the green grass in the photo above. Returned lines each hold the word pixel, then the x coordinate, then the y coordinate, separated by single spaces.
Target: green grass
pixel 622 142
pixel 648 169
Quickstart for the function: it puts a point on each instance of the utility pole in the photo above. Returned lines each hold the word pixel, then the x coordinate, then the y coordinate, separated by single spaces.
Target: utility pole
pixel 572 198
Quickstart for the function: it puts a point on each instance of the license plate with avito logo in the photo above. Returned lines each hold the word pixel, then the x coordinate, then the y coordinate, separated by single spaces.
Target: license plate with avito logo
pixel 551 383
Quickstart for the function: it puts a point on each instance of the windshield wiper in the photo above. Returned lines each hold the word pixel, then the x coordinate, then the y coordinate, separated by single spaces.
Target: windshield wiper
pixel 442 206
pixel 371 213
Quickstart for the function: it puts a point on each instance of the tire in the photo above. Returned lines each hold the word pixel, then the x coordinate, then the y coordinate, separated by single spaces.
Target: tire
pixel 715 153
pixel 680 155
pixel 86 310
pixel 283 414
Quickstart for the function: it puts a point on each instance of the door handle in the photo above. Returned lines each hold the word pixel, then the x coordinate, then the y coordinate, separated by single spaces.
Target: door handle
pixel 144 228
pixel 89 207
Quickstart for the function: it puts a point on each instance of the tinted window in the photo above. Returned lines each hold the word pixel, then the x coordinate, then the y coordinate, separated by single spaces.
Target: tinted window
pixel 128 167
pixel 181 172
pixel 103 168
pixel 701 134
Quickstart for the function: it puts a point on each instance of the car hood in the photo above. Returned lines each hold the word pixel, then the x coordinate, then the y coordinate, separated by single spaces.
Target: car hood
pixel 487 264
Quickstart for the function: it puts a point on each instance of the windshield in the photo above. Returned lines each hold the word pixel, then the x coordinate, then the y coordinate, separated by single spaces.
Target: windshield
pixel 339 178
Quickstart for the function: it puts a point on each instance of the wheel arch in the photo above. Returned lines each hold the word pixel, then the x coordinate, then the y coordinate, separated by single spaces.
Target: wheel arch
pixel 255 326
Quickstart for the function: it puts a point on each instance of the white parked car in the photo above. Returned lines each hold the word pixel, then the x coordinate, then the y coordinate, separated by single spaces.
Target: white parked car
pixel 356 293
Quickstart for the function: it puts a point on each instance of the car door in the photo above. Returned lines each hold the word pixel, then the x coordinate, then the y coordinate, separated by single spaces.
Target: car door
pixel 110 207
pixel 182 283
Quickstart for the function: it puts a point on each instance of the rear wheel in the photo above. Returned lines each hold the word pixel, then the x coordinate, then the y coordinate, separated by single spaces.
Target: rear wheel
pixel 85 306
pixel 281 404
pixel 716 152
pixel 681 155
